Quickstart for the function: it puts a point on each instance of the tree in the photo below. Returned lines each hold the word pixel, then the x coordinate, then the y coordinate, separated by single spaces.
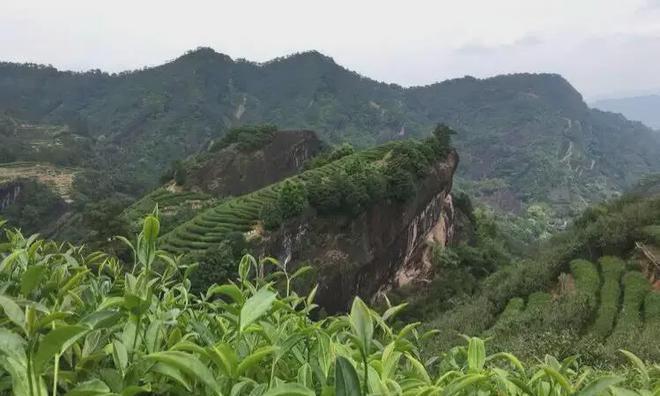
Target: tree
pixel 401 185
pixel 292 199
pixel 180 175
pixel 442 134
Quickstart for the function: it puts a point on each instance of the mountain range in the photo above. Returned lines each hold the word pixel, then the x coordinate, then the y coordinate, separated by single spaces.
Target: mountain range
pixel 644 108
pixel 523 138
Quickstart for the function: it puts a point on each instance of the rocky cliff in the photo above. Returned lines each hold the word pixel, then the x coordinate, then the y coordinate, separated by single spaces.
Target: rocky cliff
pixel 234 172
pixel 384 247
pixel 9 192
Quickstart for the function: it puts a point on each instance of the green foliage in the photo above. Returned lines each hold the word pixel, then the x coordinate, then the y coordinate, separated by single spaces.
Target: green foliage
pixel 611 269
pixel 218 263
pixel 91 328
pixel 567 326
pixel 246 138
pixel 332 155
pixel 347 186
pixel 635 288
pixel 401 184
pixel 290 202
pixel 35 205
pixel 587 280
pixel 180 175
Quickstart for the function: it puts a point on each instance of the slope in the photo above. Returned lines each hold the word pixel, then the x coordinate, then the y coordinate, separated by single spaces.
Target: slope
pixel 590 290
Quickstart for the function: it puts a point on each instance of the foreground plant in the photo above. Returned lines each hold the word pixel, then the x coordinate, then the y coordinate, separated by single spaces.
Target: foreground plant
pixel 82 324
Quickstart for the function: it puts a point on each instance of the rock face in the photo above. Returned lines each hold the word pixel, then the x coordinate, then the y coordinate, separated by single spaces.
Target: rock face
pixel 232 172
pixel 382 248
pixel 9 192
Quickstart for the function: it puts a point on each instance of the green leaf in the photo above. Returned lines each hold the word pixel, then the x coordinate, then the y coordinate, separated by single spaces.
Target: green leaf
pixel 31 278
pixel 146 249
pixel 12 345
pixel 255 307
pixel 558 377
pixel 13 311
pixel 393 311
pixel 55 342
pixel 244 267
pixel 189 365
pixel 639 365
pixel 461 383
pixel 599 385
pixel 229 290
pixel 225 357
pixel 101 319
pixel 616 391
pixel 292 389
pixel 90 388
pixel 305 375
pixel 150 229
pixel 362 324
pixel 476 354
pixel 419 369
pixel 254 358
pixel 301 271
pixel 173 373
pixel 120 355
pixel 346 378
pixel 135 390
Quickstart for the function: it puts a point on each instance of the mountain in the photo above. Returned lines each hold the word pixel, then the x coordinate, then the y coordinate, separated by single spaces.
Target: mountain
pixel 525 138
pixel 639 108
pixel 363 221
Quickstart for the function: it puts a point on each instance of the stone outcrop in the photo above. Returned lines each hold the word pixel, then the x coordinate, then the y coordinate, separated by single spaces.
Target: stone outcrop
pixel 384 247
pixel 232 172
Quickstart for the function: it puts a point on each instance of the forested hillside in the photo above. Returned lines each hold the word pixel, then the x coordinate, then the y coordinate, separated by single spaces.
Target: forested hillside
pixel 525 138
pixel 589 291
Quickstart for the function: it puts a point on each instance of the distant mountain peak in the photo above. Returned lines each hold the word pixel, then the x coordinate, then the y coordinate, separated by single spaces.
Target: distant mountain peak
pixel 204 53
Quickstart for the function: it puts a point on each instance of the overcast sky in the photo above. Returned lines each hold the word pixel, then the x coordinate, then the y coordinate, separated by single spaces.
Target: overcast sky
pixel 604 47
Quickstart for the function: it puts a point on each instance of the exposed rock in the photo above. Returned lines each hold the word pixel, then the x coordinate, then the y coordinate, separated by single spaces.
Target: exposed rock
pixel 9 192
pixel 379 249
pixel 233 172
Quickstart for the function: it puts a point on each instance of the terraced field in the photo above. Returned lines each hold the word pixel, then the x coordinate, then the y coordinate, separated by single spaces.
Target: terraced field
pixel 242 214
pixel 170 203
pixel 623 302
pixel 58 177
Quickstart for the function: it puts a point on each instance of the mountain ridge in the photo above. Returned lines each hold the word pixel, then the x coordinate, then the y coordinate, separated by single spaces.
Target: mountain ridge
pixel 531 135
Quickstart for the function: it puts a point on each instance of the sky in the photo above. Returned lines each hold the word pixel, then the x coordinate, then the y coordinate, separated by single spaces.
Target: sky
pixel 605 48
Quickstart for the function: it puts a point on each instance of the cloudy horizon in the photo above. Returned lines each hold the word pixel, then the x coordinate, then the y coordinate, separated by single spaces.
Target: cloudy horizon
pixel 605 48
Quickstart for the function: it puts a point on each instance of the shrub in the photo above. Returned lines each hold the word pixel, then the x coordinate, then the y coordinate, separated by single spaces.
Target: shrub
pixel 330 156
pixel 652 308
pixel 587 279
pixel 400 184
pixel 146 332
pixel 611 269
pixel 635 288
pixel 217 264
pixel 247 138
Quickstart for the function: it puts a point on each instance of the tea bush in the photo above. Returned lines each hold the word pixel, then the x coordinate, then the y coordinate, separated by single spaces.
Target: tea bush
pixel 80 323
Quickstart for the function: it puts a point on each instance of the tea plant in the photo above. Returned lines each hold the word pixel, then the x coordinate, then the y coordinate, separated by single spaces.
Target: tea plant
pixel 77 323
